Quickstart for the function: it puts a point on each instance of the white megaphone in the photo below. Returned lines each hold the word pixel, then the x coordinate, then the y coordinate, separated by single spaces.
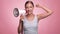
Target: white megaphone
pixel 22 12
pixel 17 12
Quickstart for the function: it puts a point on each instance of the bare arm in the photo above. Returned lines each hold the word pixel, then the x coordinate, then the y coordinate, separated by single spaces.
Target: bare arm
pixel 20 27
pixel 44 15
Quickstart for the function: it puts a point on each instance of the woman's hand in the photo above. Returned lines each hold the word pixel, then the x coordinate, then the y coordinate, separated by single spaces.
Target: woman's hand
pixel 38 6
pixel 21 17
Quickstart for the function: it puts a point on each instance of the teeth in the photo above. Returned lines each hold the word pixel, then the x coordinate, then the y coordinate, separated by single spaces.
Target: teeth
pixel 22 12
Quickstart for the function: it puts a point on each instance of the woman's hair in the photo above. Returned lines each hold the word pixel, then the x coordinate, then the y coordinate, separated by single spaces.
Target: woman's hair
pixel 29 2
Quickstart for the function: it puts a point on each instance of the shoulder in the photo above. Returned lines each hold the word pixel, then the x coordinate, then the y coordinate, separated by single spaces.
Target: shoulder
pixel 39 16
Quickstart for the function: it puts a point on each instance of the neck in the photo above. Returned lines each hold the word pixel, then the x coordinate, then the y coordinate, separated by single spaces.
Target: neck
pixel 30 14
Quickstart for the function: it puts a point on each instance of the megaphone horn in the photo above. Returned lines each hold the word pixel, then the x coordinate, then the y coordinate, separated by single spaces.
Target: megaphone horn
pixel 16 12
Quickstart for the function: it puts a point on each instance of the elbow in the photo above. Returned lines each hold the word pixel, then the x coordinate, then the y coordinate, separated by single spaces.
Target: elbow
pixel 50 12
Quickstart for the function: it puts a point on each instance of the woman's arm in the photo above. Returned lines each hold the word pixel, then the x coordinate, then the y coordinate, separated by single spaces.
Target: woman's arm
pixel 20 27
pixel 44 15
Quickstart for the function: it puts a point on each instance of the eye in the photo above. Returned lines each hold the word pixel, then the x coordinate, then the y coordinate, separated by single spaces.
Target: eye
pixel 27 7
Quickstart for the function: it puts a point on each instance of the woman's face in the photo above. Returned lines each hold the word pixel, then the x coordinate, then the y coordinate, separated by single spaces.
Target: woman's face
pixel 29 8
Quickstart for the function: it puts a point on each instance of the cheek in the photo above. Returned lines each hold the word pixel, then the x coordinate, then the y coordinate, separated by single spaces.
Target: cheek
pixel 31 9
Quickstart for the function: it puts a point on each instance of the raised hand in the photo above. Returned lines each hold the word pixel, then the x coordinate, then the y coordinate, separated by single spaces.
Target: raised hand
pixel 38 6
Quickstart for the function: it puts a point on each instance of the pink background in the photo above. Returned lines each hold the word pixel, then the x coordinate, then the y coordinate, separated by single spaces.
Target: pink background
pixel 9 23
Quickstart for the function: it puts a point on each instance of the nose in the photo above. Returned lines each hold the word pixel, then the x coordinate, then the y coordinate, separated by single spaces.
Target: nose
pixel 29 9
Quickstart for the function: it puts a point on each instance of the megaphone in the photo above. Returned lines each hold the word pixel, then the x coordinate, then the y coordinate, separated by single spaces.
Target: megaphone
pixel 17 12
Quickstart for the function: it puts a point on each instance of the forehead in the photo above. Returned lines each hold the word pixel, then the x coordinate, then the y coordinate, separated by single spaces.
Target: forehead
pixel 29 4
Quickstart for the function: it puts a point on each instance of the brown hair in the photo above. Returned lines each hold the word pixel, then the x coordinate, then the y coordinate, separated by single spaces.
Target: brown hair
pixel 29 2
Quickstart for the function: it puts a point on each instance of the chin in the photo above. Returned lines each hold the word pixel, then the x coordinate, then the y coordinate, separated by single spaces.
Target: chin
pixel 30 13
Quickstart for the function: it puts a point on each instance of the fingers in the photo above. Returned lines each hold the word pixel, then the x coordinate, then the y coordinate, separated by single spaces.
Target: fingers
pixel 21 17
pixel 38 5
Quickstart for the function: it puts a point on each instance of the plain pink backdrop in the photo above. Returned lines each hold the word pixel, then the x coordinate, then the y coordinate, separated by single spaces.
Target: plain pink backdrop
pixel 9 23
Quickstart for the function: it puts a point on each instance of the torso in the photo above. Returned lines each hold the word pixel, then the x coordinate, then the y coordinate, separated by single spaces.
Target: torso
pixel 30 25
pixel 30 18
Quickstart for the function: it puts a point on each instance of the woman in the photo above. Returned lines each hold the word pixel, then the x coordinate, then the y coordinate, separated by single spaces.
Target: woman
pixel 29 22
